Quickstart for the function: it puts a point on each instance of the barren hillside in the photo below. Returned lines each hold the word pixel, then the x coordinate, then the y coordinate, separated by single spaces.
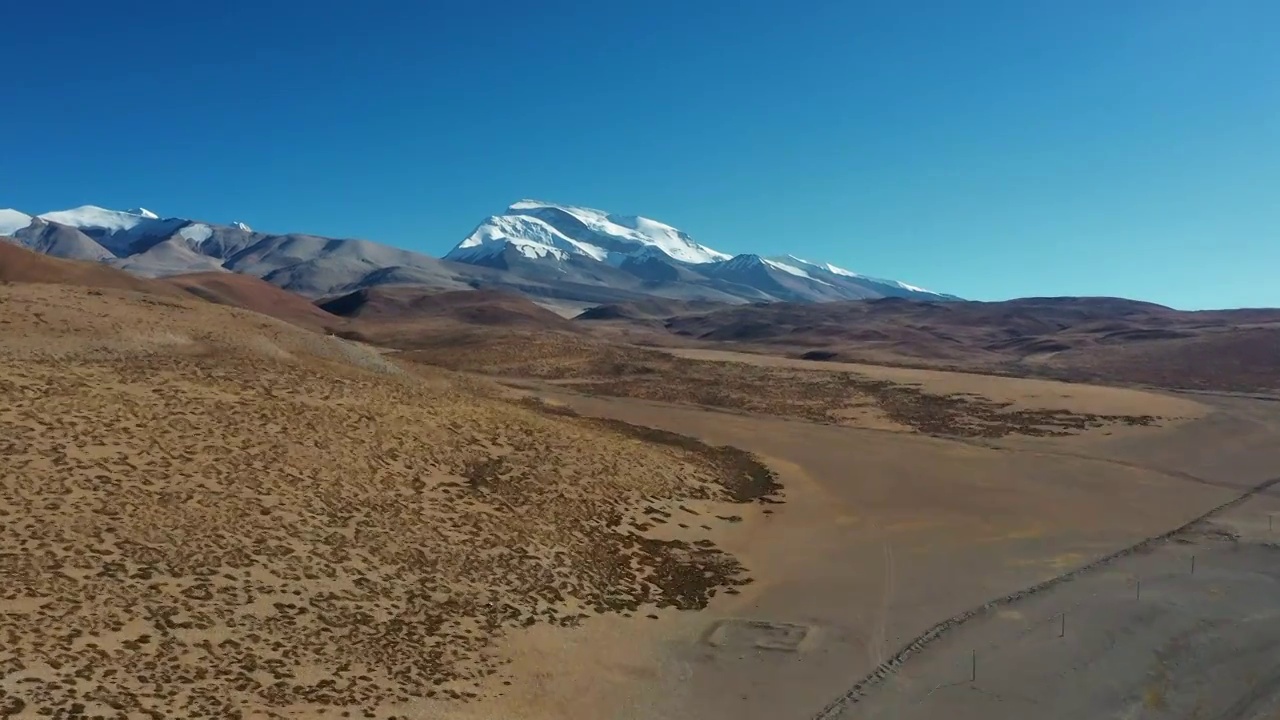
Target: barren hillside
pixel 19 265
pixel 1091 339
pixel 251 293
pixel 413 316
pixel 211 513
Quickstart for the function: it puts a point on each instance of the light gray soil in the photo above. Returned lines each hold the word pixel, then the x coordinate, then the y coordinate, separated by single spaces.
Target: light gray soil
pixel 1144 637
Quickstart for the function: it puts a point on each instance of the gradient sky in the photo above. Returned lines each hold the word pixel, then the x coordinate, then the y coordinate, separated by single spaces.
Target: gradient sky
pixel 986 149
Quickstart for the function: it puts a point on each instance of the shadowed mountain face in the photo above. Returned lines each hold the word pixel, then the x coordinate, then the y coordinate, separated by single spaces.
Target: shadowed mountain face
pixel 398 304
pixel 60 241
pixel 411 316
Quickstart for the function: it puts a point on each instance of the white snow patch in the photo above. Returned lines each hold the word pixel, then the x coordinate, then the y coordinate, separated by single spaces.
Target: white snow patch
pixel 92 216
pixel 241 226
pixel 196 233
pixel 537 250
pixel 143 212
pixel 827 267
pixel 11 221
pixel 532 236
pixel 787 268
pixel 848 273
pixel 912 288
pixel 633 230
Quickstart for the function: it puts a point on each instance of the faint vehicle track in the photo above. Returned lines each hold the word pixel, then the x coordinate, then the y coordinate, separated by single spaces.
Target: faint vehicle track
pixel 1244 708
pixel 890 667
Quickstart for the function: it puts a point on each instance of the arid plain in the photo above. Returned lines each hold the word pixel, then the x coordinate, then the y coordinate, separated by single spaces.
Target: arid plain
pixel 209 512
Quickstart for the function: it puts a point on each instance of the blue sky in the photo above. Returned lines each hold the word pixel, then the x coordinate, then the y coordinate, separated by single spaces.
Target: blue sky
pixel 987 149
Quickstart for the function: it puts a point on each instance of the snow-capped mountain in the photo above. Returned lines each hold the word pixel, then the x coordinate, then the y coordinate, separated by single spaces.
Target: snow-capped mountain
pixel 541 230
pixel 146 244
pixel 116 230
pixel 537 248
pixel 533 234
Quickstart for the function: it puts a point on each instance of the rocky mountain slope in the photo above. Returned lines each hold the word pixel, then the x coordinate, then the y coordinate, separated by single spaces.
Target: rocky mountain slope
pixel 147 245
pixel 542 250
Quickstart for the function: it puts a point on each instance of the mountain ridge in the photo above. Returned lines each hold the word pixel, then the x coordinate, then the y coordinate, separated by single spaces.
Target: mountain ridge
pixel 536 248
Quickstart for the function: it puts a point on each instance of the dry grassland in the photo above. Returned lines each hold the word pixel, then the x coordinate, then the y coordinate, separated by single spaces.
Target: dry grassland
pixel 208 513
pixel 931 402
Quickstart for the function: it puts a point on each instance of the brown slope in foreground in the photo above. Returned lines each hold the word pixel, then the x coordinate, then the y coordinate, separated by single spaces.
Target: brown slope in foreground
pixel 1099 339
pixel 258 295
pixel 410 316
pixel 210 513
pixel 19 265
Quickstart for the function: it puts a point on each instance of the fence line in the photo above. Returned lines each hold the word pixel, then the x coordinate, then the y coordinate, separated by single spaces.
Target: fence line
pixel 889 667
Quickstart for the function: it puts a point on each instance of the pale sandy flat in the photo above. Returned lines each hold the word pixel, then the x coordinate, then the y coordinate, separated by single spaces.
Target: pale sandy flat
pixel 1022 393
pixel 883 535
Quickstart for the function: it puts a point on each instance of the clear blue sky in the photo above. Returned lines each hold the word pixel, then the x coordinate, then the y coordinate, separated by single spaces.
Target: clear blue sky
pixel 988 149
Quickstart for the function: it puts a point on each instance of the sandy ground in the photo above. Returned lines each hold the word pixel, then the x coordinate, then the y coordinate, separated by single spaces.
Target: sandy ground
pixel 1188 628
pixel 943 404
pixel 884 534
pixel 1019 392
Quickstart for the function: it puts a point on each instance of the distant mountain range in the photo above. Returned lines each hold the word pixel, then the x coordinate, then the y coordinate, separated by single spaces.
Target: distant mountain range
pixel 540 249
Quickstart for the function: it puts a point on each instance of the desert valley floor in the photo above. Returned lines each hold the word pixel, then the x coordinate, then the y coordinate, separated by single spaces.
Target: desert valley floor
pixel 207 512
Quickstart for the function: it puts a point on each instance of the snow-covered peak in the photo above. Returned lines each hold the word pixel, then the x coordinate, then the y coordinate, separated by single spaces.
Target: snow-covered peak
pixel 617 233
pixel 531 236
pixel 92 216
pixel 11 221
pixel 116 230
pixel 241 226
pixel 493 238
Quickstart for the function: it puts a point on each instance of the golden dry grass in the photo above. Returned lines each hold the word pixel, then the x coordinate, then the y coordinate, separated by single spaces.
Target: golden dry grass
pixel 209 513
pixel 932 402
